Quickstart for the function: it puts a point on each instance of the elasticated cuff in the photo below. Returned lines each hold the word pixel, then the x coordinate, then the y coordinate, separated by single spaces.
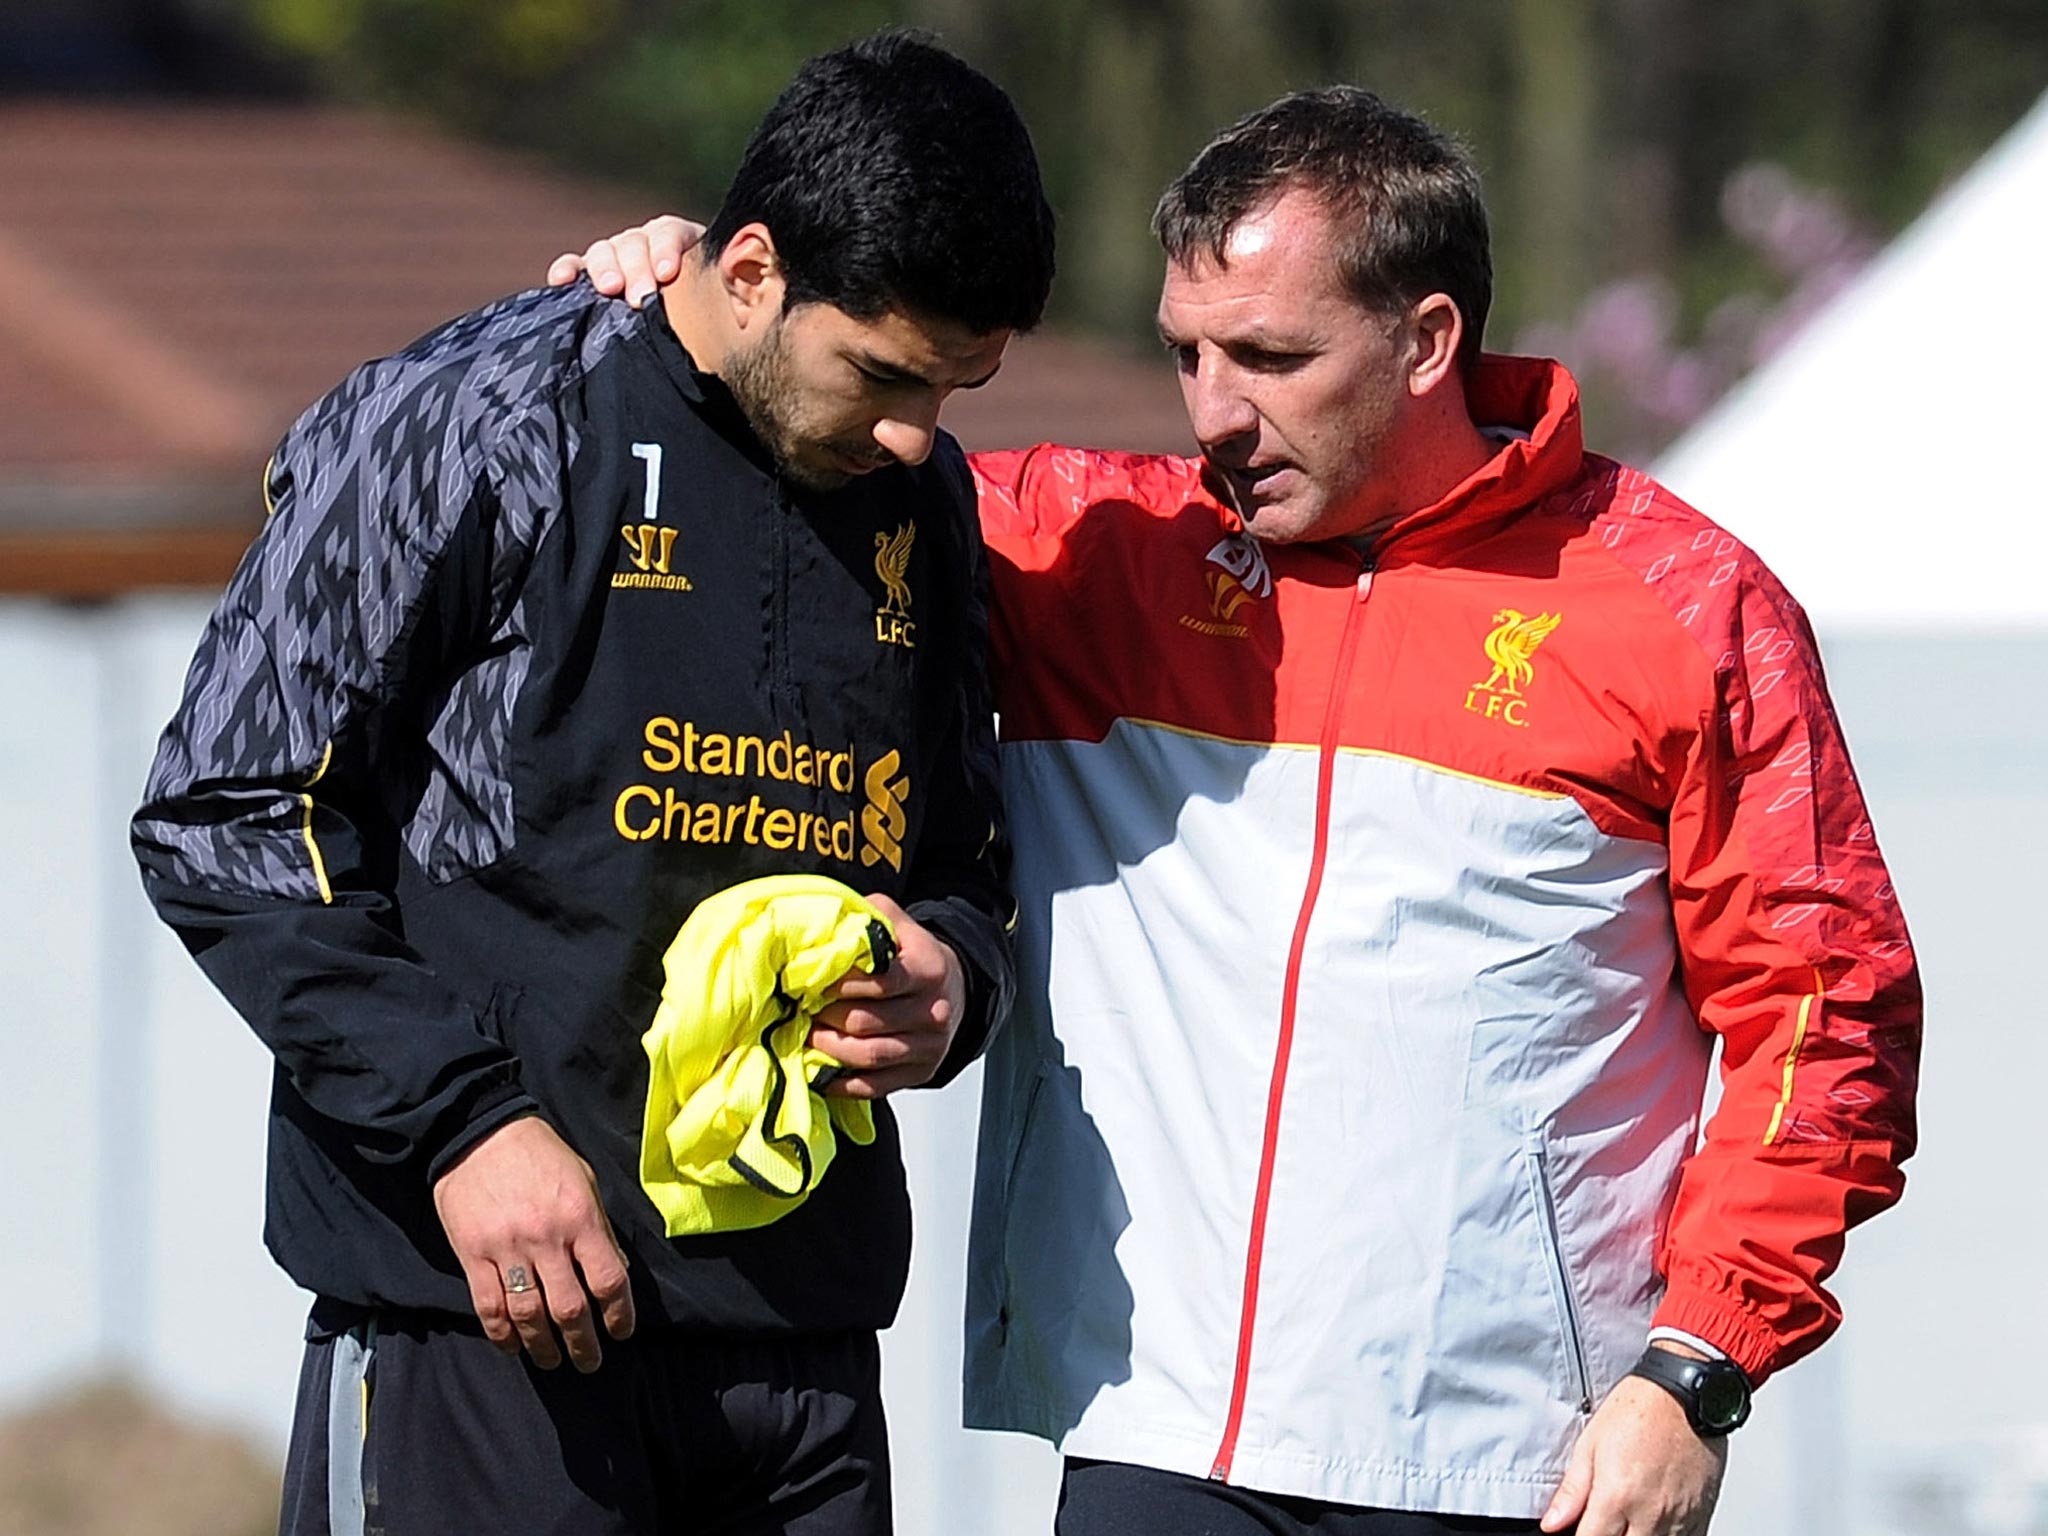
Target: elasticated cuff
pixel 1736 1332
pixel 498 1107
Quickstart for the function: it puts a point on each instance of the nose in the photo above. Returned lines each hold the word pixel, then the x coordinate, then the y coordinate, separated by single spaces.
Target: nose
pixel 907 433
pixel 1218 410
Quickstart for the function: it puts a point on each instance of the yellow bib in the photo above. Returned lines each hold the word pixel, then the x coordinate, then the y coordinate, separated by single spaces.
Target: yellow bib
pixel 736 1133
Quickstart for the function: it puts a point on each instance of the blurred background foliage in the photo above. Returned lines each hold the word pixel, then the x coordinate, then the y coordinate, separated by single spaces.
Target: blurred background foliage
pixel 1674 183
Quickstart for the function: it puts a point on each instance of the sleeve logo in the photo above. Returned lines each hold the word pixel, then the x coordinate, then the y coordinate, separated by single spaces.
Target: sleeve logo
pixel 1510 645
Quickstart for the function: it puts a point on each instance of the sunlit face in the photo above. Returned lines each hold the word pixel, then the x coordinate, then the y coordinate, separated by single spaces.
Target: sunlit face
pixel 1296 392
pixel 834 397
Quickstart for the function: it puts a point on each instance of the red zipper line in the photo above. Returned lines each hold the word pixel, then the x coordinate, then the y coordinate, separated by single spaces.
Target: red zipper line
pixel 1219 1470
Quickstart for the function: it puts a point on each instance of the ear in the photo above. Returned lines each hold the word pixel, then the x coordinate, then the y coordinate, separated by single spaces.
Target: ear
pixel 1435 332
pixel 750 272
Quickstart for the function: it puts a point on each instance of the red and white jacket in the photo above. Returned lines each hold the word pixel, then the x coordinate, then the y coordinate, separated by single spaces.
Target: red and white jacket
pixel 1379 917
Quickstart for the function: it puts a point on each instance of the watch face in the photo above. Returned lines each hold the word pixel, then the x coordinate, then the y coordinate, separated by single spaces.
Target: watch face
pixel 1724 1399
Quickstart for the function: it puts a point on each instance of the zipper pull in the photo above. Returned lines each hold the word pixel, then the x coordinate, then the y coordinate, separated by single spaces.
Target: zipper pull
pixel 1365 583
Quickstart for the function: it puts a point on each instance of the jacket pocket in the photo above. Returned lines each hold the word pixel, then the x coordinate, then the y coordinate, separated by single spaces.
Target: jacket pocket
pixel 1562 1291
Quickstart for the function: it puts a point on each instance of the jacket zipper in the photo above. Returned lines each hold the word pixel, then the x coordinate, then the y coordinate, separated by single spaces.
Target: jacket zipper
pixel 1333 711
pixel 1561 1279
pixel 782 693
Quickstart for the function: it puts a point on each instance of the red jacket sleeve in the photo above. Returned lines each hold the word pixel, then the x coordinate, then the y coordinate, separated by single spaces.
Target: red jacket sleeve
pixel 1795 953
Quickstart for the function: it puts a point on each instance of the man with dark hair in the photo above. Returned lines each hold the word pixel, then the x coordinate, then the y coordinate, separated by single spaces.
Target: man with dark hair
pixel 566 618
pixel 894 178
pixel 1404 799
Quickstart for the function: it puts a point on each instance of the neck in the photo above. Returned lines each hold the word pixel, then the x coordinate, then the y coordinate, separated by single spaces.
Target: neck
pixel 1451 450
pixel 1468 453
pixel 692 306
pixel 1439 452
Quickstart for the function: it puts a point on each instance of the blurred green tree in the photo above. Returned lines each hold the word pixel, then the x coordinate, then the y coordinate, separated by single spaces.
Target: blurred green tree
pixel 1609 130
pixel 658 95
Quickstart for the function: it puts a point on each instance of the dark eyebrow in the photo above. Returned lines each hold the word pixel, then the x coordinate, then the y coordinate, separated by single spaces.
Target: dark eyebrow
pixel 895 373
pixel 1294 347
pixel 1247 346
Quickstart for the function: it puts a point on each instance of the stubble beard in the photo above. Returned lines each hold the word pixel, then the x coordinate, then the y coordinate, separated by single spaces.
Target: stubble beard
pixel 762 385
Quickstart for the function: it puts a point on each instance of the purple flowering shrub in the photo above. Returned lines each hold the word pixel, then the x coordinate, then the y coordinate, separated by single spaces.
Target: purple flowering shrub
pixel 1642 380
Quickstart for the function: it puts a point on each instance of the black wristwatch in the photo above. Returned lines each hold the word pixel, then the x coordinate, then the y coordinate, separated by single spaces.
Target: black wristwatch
pixel 1714 1393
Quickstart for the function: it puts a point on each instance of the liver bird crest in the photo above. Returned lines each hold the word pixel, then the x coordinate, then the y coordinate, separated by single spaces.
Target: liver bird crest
pixel 892 561
pixel 1513 640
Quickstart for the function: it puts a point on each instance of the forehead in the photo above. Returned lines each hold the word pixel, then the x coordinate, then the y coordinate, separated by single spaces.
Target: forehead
pixel 1279 262
pixel 937 350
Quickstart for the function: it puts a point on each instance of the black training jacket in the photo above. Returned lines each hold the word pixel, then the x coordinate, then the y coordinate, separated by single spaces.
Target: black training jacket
pixel 535 651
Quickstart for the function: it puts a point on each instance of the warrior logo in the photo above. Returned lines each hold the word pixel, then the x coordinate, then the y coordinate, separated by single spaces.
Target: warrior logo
pixel 1243 561
pixel 1241 575
pixel 650 546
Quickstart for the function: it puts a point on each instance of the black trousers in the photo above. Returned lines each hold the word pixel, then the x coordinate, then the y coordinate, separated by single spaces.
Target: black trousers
pixel 1109 1498
pixel 409 1427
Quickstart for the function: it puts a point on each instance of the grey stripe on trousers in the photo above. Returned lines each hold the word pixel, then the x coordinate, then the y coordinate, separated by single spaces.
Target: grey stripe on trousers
pixel 348 1425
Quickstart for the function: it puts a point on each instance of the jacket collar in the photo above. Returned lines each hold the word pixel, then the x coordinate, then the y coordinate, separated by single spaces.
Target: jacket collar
pixel 1537 400
pixel 705 391
pixel 674 357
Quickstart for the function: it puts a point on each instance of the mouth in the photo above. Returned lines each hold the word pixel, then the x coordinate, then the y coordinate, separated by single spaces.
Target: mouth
pixel 1256 482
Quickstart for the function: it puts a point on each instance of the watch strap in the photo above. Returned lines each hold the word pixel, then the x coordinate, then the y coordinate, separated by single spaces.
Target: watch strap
pixel 1694 1383
pixel 1689 1340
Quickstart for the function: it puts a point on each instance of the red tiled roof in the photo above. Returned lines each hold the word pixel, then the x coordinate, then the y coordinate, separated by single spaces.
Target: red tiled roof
pixel 177 282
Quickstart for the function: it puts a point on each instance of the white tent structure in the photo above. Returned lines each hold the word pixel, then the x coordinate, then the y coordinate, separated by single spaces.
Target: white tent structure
pixel 1887 464
pixel 1886 467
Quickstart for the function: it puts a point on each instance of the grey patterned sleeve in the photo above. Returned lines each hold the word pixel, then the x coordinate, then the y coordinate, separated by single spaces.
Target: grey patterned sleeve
pixel 333 682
